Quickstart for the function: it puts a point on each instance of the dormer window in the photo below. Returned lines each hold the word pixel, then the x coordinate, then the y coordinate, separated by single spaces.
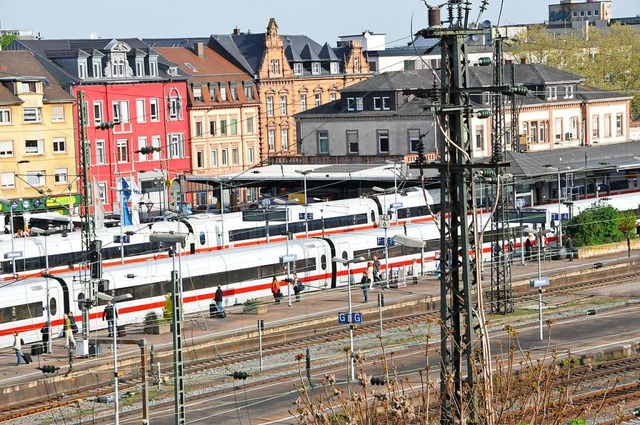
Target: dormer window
pixel 248 91
pixel 153 67
pixel 139 67
pixel 568 92
pixel 197 93
pixel 172 70
pixel 82 69
pixel 297 68
pixel 356 64
pixel 97 69
pixel 234 92
pixel 29 87
pixel 223 93
pixel 335 67
pixel 552 93
pixel 315 68
pixel 274 66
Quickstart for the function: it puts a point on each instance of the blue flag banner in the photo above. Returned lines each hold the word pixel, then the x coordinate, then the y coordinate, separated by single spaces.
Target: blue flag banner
pixel 126 212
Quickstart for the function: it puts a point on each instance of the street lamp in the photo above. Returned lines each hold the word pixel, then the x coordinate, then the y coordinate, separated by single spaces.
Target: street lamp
pixel 557 169
pixel 540 282
pixel 116 395
pixel 345 262
pixel 44 233
pixel 287 259
pixel 384 223
pixel 176 319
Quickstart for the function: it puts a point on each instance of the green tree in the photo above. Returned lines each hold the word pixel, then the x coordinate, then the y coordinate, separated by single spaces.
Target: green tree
pixel 607 58
pixel 595 226
pixel 5 40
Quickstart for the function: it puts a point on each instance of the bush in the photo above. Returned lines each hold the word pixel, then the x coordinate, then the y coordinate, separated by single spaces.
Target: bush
pixel 167 310
pixel 151 318
pixel 596 226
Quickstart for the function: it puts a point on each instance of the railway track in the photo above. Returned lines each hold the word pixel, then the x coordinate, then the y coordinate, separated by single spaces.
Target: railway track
pixel 330 334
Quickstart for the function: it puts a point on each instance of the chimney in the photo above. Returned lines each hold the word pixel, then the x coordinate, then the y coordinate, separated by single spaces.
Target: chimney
pixel 199 47
pixel 236 31
pixel 524 61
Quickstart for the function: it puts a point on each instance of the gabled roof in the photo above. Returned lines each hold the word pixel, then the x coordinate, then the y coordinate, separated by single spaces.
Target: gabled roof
pixel 210 67
pixel 21 65
pixel 308 54
pixel 327 53
pixel 533 74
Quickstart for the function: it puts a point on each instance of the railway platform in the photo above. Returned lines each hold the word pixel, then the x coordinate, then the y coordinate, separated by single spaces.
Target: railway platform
pixel 313 305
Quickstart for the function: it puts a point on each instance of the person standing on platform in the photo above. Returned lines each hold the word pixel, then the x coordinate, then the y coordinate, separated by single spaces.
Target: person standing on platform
pixel 377 274
pixel 70 341
pixel 17 347
pixel 297 286
pixel 275 290
pixel 569 247
pixel 109 314
pixel 218 299
pixel 527 248
pixel 367 281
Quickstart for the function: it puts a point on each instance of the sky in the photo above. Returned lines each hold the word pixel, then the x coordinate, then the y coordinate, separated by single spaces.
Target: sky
pixel 323 21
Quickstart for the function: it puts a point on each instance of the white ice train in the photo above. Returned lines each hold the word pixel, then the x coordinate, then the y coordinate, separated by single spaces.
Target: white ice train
pixel 243 273
pixel 209 232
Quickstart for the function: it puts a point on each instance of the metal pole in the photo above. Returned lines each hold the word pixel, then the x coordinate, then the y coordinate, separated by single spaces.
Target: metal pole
pixel 380 303
pixel 559 212
pixel 115 366
pixel 46 259
pixel 286 229
pixel 352 376
pixel 178 377
pixel 521 237
pixel 145 387
pixel 538 242
pixel 13 235
pixel 306 203
pixel 260 325
pixel 222 239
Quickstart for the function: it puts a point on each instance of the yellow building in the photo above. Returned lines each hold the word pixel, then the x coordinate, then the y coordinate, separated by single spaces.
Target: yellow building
pixel 38 169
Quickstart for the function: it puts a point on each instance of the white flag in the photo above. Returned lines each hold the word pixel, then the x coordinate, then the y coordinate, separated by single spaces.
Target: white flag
pixel 136 196
pixel 98 207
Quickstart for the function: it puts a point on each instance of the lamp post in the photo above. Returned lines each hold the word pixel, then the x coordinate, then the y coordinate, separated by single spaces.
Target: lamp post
pixel 540 282
pixel 287 258
pixel 116 394
pixel 176 318
pixel 557 169
pixel 44 233
pixel 384 223
pixel 306 202
pixel 345 262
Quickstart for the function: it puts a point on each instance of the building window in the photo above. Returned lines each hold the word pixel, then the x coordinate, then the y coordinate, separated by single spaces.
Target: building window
pixel 176 146
pixel 5 116
pixel 235 156
pixel 174 107
pixel 234 92
pixel 82 70
pixel 351 104
pixel 223 127
pixel 607 125
pixel 141 113
pixel 139 68
pixel 479 138
pixel 234 126
pixel 32 114
pixel 250 158
pixel 284 139
pixel 199 159
pixel 558 129
pixel 34 147
pixel 59 145
pixel 212 128
pixel 568 92
pixel 575 133
pixel 60 176
pixel 323 142
pixel 97 112
pixel 552 93
pixel 318 99
pixel 28 87
pixel 595 126
pixel 6 148
pixel 123 150
pixel 534 132
pixel 8 180
pixel 142 142
pixel 297 68
pixel 356 64
pixel 100 152
pixel 223 92
pixel 35 178
pixel 153 67
pixel 248 91
pixel 153 110
pixel 359 104
pixel 332 96
pixel 619 125
pixel 334 67
pixel 303 102
pixel 377 104
pixel 352 142
pixel 385 103
pixel 271 140
pixel 414 140
pixel 383 141
pixel 269 106
pixel 214 158
pixel 315 68
pixel 283 105
pixel 102 192
pixel 249 124
pixel 97 70
pixel 156 142
pixel 57 113
pixel 121 111
pixel 198 128
pixel 225 160
pixel 274 66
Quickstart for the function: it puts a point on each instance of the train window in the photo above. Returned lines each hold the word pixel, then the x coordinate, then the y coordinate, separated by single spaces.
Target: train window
pixel 344 255
pixel 53 306
pixel 203 238
pixel 323 262
pixel 373 216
